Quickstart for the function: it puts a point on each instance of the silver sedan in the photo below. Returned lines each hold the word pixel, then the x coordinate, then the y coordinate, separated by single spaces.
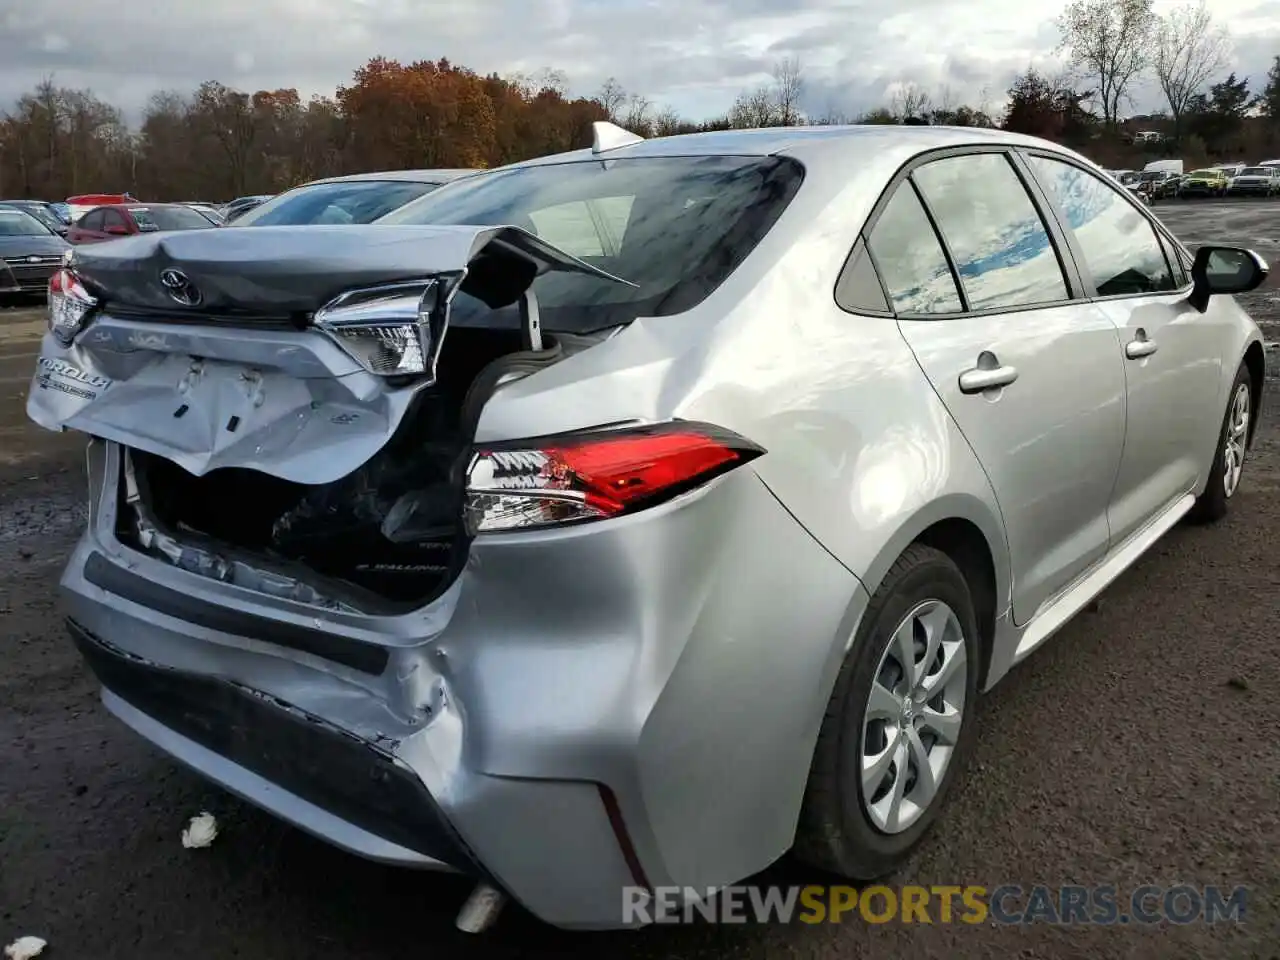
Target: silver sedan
pixel 628 518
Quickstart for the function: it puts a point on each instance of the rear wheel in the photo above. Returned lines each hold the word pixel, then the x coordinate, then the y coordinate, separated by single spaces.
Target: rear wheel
pixel 899 726
pixel 1228 461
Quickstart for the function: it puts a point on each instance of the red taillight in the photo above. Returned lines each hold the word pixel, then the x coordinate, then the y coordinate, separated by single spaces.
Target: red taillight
pixel 597 474
pixel 69 305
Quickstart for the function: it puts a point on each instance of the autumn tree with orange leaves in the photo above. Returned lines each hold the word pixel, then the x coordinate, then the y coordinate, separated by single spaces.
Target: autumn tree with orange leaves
pixel 217 142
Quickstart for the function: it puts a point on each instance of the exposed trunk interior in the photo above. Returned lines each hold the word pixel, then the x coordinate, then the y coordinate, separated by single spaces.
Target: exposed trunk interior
pixel 390 535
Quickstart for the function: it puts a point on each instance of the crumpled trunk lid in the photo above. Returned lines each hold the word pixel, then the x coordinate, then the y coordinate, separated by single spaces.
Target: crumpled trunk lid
pixel 296 270
pixel 183 357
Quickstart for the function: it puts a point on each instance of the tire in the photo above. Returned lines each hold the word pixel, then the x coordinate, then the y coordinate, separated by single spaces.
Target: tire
pixel 837 832
pixel 1228 459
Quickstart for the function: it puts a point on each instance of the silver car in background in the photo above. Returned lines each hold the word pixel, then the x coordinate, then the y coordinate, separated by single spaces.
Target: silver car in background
pixel 631 517
pixel 353 199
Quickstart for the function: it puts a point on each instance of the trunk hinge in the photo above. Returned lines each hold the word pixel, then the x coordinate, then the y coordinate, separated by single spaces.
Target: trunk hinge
pixel 530 322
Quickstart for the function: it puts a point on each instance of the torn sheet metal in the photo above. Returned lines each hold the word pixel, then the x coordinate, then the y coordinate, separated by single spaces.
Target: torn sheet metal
pixel 197 383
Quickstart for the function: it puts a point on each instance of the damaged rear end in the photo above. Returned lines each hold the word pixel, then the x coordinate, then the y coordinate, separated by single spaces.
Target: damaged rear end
pixel 304 577
pixel 294 413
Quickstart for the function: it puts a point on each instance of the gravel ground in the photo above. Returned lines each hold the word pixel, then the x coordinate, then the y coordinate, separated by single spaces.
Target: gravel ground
pixel 1131 750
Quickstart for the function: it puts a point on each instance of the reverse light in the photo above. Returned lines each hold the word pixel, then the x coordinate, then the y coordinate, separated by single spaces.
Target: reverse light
pixel 392 330
pixel 69 306
pixel 596 474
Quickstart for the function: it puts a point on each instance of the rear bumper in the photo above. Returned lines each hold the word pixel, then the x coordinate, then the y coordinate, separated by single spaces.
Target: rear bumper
pixel 293 763
pixel 583 711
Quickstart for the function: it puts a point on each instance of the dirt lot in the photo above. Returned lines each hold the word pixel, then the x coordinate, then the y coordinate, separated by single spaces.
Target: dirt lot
pixel 1139 747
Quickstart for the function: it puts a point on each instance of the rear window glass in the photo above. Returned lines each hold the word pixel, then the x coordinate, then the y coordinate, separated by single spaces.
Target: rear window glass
pixel 150 219
pixel 354 201
pixel 675 226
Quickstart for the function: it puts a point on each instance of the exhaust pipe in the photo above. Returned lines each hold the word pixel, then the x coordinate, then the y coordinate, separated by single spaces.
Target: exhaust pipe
pixel 481 910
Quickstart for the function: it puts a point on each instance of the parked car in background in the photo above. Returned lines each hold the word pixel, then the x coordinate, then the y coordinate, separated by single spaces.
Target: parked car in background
pixel 61 210
pixel 242 205
pixel 1134 182
pixel 209 211
pixel 1158 184
pixel 30 253
pixel 623 518
pixel 82 204
pixel 126 219
pixel 1255 182
pixel 41 211
pixel 359 198
pixel 1210 182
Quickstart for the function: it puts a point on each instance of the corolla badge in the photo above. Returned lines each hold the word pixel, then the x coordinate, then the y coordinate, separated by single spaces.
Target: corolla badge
pixel 179 287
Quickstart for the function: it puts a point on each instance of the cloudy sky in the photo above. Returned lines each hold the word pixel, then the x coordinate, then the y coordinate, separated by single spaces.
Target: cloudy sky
pixel 693 55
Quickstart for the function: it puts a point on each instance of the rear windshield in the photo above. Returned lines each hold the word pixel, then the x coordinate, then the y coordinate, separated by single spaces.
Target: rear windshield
pixel 354 201
pixel 17 223
pixel 168 218
pixel 675 226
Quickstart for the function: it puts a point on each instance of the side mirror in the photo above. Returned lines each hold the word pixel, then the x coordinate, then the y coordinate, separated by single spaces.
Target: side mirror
pixel 1225 270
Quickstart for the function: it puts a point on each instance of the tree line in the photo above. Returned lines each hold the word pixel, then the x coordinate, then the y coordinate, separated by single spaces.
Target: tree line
pixel 217 142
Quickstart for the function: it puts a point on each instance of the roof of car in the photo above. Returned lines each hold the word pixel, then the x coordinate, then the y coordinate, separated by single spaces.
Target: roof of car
pixel 799 141
pixel 411 176
pixel 133 205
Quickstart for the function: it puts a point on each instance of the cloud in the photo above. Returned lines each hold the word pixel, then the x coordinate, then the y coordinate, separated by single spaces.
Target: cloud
pixel 692 56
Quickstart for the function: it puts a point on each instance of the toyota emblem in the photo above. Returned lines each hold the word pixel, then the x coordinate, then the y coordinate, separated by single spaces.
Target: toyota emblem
pixel 180 288
pixel 34 259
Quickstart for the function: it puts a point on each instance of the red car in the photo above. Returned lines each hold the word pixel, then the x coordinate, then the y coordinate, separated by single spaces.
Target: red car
pixel 126 219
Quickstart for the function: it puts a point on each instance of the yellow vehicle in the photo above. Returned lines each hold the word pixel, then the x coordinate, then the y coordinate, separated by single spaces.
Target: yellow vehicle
pixel 1204 183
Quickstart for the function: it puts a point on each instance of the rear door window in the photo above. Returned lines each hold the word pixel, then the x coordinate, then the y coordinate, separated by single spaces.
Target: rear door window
pixel 910 260
pixel 93 220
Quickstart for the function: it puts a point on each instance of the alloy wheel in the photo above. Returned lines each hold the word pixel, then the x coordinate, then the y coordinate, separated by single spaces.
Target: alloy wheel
pixel 913 716
pixel 1237 440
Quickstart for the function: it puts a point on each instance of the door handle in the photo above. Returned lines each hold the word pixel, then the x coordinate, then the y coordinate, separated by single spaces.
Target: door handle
pixel 982 378
pixel 1140 347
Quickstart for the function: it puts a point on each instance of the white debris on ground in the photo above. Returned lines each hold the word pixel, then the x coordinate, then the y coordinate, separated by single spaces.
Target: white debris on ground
pixel 200 832
pixel 24 948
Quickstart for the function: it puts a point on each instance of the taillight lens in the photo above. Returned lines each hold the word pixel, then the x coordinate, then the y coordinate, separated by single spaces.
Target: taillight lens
pixel 393 330
pixel 596 474
pixel 69 306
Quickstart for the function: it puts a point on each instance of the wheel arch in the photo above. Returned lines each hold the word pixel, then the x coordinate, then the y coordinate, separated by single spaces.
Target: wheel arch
pixel 964 528
pixel 1255 362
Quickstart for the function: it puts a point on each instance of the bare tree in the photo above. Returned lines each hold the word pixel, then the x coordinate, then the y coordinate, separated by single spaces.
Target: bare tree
pixel 788 85
pixel 984 101
pixel 666 123
pixel 1189 49
pixel 909 100
pixel 612 96
pixel 1109 42
pixel 637 119
pixel 554 80
pixel 754 109
pixel 945 101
